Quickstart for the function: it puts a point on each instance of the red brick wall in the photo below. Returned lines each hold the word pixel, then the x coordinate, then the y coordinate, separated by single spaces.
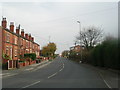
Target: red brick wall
pixel 11 44
pixel 77 48
pixel 0 44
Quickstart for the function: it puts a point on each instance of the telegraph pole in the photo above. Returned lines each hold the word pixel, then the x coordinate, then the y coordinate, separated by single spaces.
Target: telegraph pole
pixel 49 38
pixel 80 40
pixel 18 55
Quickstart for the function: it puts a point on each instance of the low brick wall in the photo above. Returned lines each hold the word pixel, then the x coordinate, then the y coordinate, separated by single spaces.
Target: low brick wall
pixel 26 63
pixel 0 44
pixel 32 62
pixel 20 65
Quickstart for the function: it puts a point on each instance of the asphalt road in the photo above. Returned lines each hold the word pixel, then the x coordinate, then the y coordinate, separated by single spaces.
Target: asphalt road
pixel 61 73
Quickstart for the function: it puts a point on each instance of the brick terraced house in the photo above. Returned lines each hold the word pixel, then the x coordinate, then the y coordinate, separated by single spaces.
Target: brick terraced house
pixel 76 48
pixel 17 43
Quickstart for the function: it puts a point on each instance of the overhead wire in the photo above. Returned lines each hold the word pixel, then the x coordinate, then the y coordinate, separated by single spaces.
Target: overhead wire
pixel 63 18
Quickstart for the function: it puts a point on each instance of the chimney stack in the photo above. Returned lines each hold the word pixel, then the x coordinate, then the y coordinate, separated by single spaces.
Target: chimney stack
pixel 4 23
pixel 22 32
pixel 32 39
pixel 17 30
pixel 26 36
pixel 11 26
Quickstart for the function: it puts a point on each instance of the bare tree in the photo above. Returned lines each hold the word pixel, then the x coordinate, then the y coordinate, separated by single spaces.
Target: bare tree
pixel 89 37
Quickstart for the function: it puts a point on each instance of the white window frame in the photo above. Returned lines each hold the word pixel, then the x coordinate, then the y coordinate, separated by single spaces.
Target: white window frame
pixel 15 53
pixel 7 37
pixel 15 40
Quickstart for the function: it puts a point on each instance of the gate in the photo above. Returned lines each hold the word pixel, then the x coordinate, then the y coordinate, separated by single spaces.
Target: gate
pixel 12 64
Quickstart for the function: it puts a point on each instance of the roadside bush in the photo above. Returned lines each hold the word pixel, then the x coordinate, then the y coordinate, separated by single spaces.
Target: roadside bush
pixel 103 55
pixel 21 61
pixel 5 66
pixel 111 53
pixel 30 55
pixel 106 54
pixel 97 56
pixel 50 59
pixel 55 55
pixel 38 60
pixel 5 56
pixel 86 56
pixel 75 56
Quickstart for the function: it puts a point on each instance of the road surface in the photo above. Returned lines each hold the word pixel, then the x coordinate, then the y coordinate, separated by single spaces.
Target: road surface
pixel 61 73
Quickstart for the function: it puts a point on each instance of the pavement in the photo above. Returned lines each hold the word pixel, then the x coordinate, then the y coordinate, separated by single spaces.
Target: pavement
pixel 110 77
pixel 12 72
pixel 62 73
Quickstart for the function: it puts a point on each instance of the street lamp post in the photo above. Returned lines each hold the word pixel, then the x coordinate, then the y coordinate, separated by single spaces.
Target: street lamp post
pixel 80 40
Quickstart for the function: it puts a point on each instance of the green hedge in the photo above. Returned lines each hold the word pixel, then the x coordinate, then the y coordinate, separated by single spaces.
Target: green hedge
pixel 5 66
pixel 30 55
pixel 50 59
pixel 38 60
pixel 106 55
pixel 103 55
pixel 21 61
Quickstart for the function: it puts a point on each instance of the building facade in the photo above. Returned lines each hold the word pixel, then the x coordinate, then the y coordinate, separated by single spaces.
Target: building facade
pixel 77 48
pixel 0 45
pixel 16 43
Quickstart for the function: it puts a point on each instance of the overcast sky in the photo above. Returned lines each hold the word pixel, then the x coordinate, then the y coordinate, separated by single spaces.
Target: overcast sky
pixel 59 19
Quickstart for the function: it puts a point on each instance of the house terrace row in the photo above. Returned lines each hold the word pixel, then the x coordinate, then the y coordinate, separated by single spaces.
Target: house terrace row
pixel 15 44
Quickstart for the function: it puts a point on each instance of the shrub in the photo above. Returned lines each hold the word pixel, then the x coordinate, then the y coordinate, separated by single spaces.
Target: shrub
pixel 106 54
pixel 5 66
pixel 21 61
pixel 50 59
pixel 30 55
pixel 5 56
pixel 38 60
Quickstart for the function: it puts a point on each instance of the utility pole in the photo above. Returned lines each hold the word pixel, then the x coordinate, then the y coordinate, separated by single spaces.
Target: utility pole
pixel 80 40
pixel 18 55
pixel 49 38
pixel 75 43
pixel 19 43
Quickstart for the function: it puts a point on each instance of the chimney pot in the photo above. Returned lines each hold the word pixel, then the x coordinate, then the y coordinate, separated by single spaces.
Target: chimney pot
pixel 4 23
pixel 32 39
pixel 17 30
pixel 26 36
pixel 29 36
pixel 22 32
pixel 11 23
pixel 12 26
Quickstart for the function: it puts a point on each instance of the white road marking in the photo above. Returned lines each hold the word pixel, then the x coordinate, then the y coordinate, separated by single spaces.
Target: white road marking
pixel 9 75
pixel 34 64
pixel 52 75
pixel 107 84
pixel 41 66
pixel 31 84
pixel 63 65
pixel 4 74
pixel 60 70
pixel 28 69
pixel 105 81
pixel 56 72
